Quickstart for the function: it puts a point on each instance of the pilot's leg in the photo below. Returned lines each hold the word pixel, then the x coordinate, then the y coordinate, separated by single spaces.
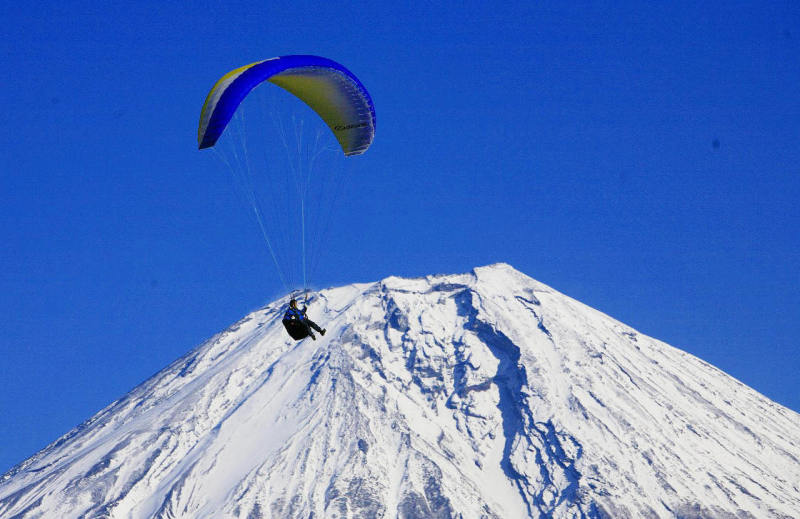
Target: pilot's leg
pixel 312 324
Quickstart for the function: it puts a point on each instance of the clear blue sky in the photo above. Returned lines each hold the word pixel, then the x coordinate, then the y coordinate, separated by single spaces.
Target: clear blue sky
pixel 575 143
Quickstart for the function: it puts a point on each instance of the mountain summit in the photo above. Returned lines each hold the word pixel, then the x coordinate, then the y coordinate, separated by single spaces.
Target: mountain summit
pixel 479 395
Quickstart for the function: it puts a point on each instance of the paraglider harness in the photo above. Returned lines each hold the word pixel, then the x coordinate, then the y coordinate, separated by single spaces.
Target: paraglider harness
pixel 293 322
pixel 297 324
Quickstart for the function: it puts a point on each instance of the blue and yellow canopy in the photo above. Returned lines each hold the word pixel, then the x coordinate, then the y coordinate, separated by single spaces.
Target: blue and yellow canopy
pixel 331 90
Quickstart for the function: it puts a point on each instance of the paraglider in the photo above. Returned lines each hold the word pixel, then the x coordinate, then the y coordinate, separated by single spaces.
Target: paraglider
pixel 343 104
pixel 331 90
pixel 298 324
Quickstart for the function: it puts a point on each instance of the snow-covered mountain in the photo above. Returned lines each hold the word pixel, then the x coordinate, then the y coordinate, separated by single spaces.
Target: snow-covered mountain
pixel 481 395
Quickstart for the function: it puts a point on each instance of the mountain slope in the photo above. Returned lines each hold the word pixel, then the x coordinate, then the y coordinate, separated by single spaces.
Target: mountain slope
pixel 485 394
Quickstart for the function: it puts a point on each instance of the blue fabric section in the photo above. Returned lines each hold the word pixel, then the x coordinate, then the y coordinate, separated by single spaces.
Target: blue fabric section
pixel 238 89
pixel 294 313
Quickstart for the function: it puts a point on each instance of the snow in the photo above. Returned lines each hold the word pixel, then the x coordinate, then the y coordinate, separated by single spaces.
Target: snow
pixel 485 394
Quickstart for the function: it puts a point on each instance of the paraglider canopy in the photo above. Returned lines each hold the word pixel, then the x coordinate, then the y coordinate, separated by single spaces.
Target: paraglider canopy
pixel 331 90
